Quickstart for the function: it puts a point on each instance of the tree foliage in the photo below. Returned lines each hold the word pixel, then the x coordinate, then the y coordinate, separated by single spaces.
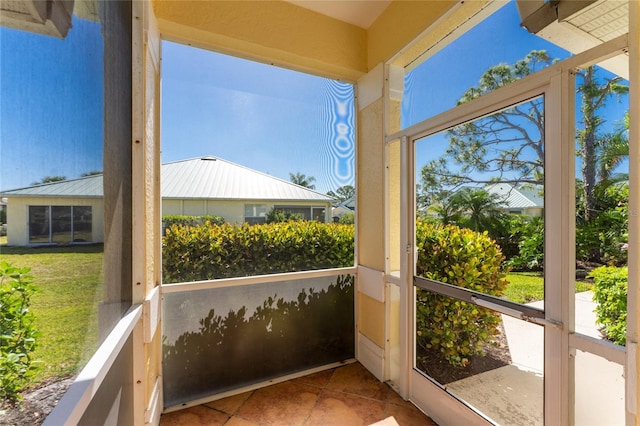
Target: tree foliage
pixel 302 180
pixel 49 179
pixel 596 151
pixel 344 193
pixel 507 146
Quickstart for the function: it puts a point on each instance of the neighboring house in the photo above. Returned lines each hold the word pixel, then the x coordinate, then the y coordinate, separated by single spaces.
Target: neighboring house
pixel 527 200
pixel 347 206
pixel 72 210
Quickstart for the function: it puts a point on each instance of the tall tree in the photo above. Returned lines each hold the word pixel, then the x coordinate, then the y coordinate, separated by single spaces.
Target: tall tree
pixel 344 193
pixel 594 94
pixel 481 209
pixel 302 180
pixel 508 146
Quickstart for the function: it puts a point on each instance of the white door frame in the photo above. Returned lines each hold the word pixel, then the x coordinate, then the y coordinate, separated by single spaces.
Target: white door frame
pixel 556 84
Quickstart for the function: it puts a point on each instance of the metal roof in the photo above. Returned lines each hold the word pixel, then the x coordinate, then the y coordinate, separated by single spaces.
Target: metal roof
pixel 211 177
pixel 516 198
pixel 197 178
pixel 85 187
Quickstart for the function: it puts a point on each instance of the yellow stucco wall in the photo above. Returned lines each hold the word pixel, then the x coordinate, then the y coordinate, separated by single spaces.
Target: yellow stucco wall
pixel 371 319
pixel 399 25
pixel 18 216
pixel 370 182
pixel 274 32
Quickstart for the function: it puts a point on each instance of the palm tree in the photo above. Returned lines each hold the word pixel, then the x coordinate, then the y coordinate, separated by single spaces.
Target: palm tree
pixel 302 180
pixel 482 209
pixel 613 149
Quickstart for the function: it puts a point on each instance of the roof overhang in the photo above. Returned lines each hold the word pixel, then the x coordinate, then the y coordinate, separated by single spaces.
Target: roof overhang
pixel 48 17
pixel 579 25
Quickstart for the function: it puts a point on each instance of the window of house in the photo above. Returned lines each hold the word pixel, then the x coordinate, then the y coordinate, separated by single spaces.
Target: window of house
pixel 255 213
pixel 60 224
pixel 306 213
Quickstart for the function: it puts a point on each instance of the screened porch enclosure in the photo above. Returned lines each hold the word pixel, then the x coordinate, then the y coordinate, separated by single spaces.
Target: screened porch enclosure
pixel 189 344
pixel 227 338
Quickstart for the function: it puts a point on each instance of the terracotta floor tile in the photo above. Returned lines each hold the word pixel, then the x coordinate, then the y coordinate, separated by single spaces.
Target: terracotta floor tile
pixel 339 409
pixel 355 379
pixel 231 404
pixel 237 421
pixel 286 403
pixel 344 396
pixel 394 398
pixel 319 379
pixel 194 416
pixel 407 414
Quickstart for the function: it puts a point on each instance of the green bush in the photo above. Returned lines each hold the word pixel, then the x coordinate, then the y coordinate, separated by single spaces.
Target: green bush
pixel 601 239
pixel 17 331
pixel 277 215
pixel 347 219
pixel 463 258
pixel 213 251
pixel 170 220
pixel 610 294
pixel 530 255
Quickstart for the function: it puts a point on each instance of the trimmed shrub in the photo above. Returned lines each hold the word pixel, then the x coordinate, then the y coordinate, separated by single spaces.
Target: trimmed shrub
pixel 610 294
pixel 347 219
pixel 212 251
pixel 17 330
pixel 279 215
pixel 464 258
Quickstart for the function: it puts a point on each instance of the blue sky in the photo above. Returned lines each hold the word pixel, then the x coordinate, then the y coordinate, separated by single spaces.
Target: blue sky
pixel 269 119
pixel 51 104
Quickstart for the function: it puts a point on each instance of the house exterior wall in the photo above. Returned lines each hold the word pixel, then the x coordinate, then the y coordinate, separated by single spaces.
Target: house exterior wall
pixel 18 216
pixel 534 211
pixel 232 211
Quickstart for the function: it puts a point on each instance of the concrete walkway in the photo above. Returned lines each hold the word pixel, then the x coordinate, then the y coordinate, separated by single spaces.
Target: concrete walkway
pixel 513 395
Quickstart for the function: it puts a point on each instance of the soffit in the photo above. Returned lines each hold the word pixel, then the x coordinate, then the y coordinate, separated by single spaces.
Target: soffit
pixel 577 31
pixel 361 13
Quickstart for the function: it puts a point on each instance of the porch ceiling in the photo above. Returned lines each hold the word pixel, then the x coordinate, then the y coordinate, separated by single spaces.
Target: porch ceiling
pixel 361 13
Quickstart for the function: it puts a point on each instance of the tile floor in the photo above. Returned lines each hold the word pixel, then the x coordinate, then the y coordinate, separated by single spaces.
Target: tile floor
pixel 344 396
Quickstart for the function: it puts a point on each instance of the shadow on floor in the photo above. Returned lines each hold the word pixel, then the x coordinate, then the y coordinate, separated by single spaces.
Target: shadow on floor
pixel 344 396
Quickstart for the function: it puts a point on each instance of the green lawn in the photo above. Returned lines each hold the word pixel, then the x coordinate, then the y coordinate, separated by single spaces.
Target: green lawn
pixel 70 287
pixel 525 287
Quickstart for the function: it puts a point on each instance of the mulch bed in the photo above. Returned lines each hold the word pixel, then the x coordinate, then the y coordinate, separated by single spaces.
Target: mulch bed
pixel 433 363
pixel 35 405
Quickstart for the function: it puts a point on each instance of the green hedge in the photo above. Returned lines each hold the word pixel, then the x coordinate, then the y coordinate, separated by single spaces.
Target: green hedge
pixel 170 220
pixel 463 258
pixel 445 253
pixel 213 251
pixel 610 294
